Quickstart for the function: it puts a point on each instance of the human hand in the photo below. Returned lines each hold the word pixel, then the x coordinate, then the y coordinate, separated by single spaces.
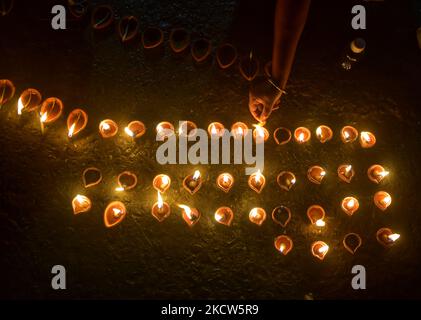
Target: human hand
pixel 264 97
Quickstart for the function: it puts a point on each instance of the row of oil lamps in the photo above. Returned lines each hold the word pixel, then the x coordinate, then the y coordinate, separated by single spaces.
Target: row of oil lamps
pixel 52 108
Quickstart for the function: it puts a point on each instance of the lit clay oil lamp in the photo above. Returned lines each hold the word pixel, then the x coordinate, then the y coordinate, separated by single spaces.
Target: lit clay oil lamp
pixel 283 244
pixel 225 181
pixel 126 181
pixel 257 216
pixel 316 214
pixel 190 215
pixel 179 40
pixel 108 128
pixel 7 91
pixel 152 38
pixel 161 183
pixel 187 129
pixel 193 182
pixel 249 67
pixel 281 215
pixel 51 110
pixel 382 200
pixel 114 214
pixel 239 130
pixel 260 133
pixel 387 237
pixel 91 177
pixel 164 130
pixel 352 242
pixel 216 130
pixel 346 172
pixel 302 135
pixel 349 205
pixel 135 129
pixel 324 133
pixel 316 174
pixel 257 181
pixel 128 28
pixel 224 215
pixel 319 249
pixel 349 134
pixel 286 180
pixel 226 55
pixel 367 139
pixel 76 122
pixel 81 204
pixel 282 135
pixel 160 210
pixel 377 173
pixel 102 17
pixel 29 101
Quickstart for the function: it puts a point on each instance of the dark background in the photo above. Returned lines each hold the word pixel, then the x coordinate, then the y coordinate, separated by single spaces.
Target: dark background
pixel 141 258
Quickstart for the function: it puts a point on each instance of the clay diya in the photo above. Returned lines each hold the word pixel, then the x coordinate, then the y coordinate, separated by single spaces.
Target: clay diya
pixel 5 7
pixel 226 55
pixel 377 173
pixel 367 139
pixel 282 135
pixel 201 50
pixel 382 200
pixel 224 215
pixel 225 181
pixel 91 177
pixel 128 28
pixel 319 249
pixel 257 216
pixel 193 182
pixel 346 172
pixel 114 214
pixel 216 130
pixel 187 129
pixel 161 209
pixel 281 215
pixel 81 204
pixel 349 205
pixel 387 237
pixel 316 213
pixel 29 100
pixel 78 8
pixel 316 174
pixel 51 110
pixel 352 242
pixel 76 122
pixel 161 183
pixel 257 181
pixel 108 128
pixel 324 133
pixel 126 181
pixel 152 38
pixel 190 215
pixel 7 91
pixel 260 133
pixel 349 134
pixel 102 17
pixel 302 135
pixel 283 244
pixel 239 130
pixel 164 130
pixel 179 40
pixel 249 67
pixel 286 180
pixel 135 129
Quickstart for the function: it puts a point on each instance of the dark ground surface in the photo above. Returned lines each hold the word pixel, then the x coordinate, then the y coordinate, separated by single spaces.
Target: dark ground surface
pixel 142 258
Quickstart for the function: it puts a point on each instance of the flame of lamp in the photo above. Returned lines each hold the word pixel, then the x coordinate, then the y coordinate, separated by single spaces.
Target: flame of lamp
pixel 352 241
pixel 160 210
pixel 257 181
pixel 349 134
pixel 81 204
pixel 216 130
pixel 283 244
pixel 367 139
pixel 190 215
pixel 346 172
pixel 377 173
pixel 51 110
pixel 193 182
pixel 257 216
pixel 239 130
pixel 281 215
pixel 224 215
pixel 126 181
pixel 382 200
pixel 316 174
pixel 282 135
pixel 349 205
pixel 164 130
pixel 319 249
pixel 161 182
pixel 316 213
pixel 108 128
pixel 91 177
pixel 225 181
pixel 114 214
pixel 324 133
pixel 29 100
pixel 76 122
pixel 187 129
pixel 260 134
pixel 387 237
pixel 286 180
pixel 135 129
pixel 302 135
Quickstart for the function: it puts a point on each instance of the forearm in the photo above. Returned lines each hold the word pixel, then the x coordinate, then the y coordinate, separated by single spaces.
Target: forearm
pixel 290 18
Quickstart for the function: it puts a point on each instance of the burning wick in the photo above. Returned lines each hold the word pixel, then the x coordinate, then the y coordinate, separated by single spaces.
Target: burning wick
pixel 225 181
pixel 117 212
pixel 382 200
pixel 81 204
pixel 283 244
pixel 196 175
pixel 260 134
pixel 367 139
pixel 160 209
pixel 319 249
pixel 257 181
pixel 192 183
pixel 129 132
pixel 387 237
pixel 350 205
pixel 190 215
pixel 42 119
pixel 320 223
pixel 257 216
